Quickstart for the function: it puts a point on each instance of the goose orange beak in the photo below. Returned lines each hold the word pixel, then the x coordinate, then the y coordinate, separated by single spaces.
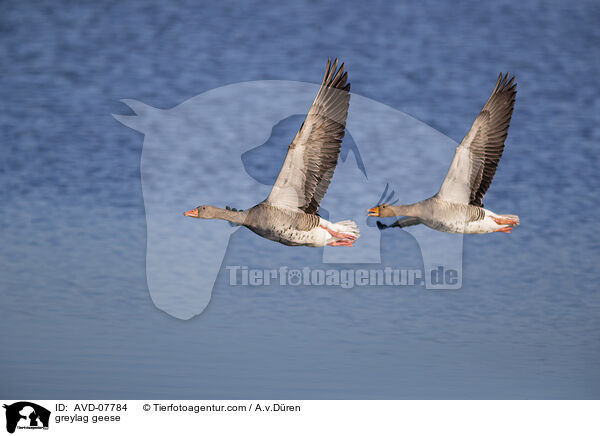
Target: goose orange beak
pixel 193 213
pixel 374 211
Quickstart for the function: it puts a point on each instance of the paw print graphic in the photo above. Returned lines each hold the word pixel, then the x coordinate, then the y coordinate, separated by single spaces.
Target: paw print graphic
pixel 294 277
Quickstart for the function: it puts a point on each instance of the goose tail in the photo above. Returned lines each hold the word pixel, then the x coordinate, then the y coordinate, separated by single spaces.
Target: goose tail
pixel 346 227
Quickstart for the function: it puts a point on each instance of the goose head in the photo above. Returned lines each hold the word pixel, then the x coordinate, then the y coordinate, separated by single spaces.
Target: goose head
pixel 204 211
pixel 383 210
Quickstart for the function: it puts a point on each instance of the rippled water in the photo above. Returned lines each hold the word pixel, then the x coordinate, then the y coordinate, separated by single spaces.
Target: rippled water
pixel 76 315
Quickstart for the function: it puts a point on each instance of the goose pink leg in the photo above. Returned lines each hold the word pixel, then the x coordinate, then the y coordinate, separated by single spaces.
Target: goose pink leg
pixel 505 221
pixel 342 243
pixel 339 235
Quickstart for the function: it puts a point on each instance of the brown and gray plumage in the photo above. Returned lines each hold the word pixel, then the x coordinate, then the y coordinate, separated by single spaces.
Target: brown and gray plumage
pixel 458 207
pixel 289 215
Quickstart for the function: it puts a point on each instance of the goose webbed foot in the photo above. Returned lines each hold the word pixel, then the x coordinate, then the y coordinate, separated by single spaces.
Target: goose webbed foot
pixel 340 235
pixel 342 243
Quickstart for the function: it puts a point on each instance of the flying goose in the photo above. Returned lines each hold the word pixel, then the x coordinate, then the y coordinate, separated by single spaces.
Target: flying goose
pixel 458 207
pixel 289 214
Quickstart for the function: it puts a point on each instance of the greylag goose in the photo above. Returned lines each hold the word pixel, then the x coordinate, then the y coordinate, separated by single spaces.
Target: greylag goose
pixel 289 214
pixel 458 207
